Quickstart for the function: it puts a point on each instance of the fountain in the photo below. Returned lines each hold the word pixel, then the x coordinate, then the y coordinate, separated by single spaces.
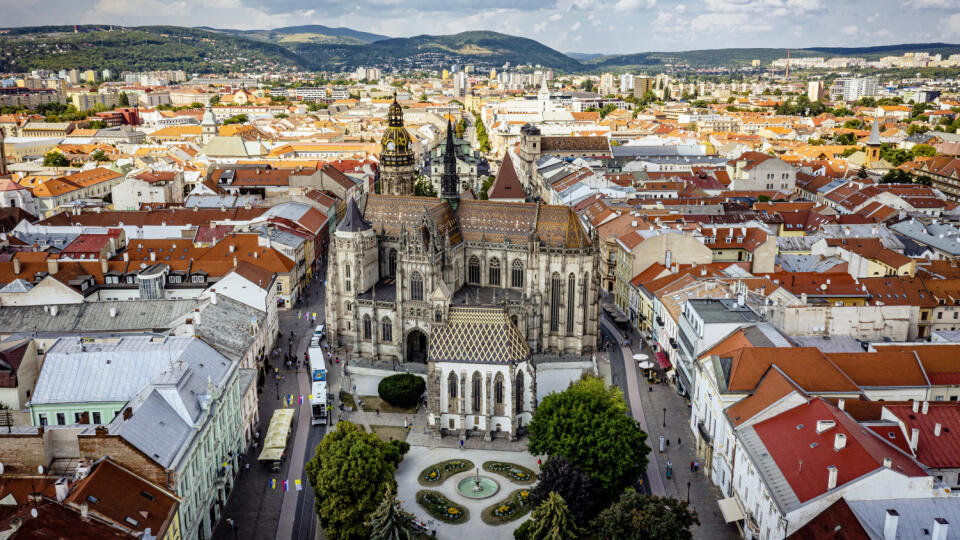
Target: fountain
pixel 477 487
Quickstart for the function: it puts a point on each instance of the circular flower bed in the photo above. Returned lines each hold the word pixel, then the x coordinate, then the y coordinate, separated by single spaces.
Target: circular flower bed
pixel 442 508
pixel 509 509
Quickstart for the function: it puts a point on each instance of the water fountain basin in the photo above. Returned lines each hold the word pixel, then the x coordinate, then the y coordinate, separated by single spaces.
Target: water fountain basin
pixel 473 487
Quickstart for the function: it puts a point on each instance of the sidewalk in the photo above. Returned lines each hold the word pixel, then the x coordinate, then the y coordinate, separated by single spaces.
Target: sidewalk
pixel 703 496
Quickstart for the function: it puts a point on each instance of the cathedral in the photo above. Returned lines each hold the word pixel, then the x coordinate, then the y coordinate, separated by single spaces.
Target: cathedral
pixel 472 288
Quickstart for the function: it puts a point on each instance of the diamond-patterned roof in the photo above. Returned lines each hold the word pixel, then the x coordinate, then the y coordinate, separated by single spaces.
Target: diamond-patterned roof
pixel 477 335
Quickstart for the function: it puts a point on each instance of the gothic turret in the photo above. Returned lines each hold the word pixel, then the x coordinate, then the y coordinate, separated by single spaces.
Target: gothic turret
pixel 450 182
pixel 397 174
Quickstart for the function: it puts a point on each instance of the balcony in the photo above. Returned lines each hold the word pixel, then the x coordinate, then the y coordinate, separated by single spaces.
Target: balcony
pixel 673 343
pixel 704 434
pixel 659 322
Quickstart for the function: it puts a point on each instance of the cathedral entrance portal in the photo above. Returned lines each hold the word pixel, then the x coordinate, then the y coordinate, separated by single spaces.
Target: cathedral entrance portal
pixel 416 346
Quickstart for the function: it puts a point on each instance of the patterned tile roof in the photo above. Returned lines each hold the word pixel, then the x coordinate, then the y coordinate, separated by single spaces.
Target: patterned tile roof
pixel 477 335
pixel 392 213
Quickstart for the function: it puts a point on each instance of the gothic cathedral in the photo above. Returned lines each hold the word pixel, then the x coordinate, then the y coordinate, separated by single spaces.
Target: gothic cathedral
pixel 475 289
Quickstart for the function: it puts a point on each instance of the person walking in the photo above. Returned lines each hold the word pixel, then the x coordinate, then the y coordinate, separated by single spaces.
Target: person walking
pixel 678 441
pixel 691 466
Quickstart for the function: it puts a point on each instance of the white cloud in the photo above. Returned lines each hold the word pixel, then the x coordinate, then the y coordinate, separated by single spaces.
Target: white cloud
pixel 576 26
pixel 680 8
pixel 633 5
pixel 556 17
pixel 935 4
pixel 953 25
pixel 850 30
pixel 539 27
pixel 740 22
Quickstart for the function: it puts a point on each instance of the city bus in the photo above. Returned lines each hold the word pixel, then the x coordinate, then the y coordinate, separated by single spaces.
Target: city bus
pixel 318 387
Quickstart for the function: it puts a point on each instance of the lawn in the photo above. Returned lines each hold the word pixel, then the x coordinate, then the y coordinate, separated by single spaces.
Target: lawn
pixel 518 474
pixel 439 472
pixel 389 433
pixel 513 507
pixel 347 399
pixel 442 508
pixel 374 403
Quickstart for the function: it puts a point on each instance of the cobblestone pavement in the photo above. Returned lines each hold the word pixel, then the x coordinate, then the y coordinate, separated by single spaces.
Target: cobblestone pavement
pixel 667 414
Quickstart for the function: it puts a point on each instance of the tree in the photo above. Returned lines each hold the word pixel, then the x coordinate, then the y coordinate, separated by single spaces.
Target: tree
pixel 564 478
pixel 98 124
pixel 846 138
pixel 236 119
pixel 922 150
pixel 645 517
pixel 460 127
pixel 587 85
pixel 124 100
pixel 349 473
pixel 551 520
pixel 913 129
pixel 54 158
pixel 390 522
pixel 607 109
pixel 402 389
pixel 896 176
pixel 485 187
pixel 214 100
pixel 589 425
pixel 862 173
pixel 424 188
pixel 99 156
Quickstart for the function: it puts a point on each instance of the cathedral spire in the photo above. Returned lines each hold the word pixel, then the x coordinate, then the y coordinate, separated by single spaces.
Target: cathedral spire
pixel 450 182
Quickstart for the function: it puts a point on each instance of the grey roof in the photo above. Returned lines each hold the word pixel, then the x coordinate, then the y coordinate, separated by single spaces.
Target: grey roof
pixel 137 315
pixel 916 516
pixel 722 310
pixel 279 236
pixel 156 429
pixel 874 138
pixel 353 220
pixel 806 263
pixel 107 370
pixel 941 236
pixel 288 210
pixel 17 286
pixel 830 344
pixel 832 185
pixel 226 326
pixel 216 201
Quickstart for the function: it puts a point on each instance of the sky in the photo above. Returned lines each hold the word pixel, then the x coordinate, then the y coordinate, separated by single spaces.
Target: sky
pixel 589 26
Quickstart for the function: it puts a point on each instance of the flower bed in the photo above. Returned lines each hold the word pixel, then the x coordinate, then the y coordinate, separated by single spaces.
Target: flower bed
pixel 513 507
pixel 442 508
pixel 511 471
pixel 436 474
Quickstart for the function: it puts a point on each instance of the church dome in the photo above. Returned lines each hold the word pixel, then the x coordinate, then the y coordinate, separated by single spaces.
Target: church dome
pixel 395 145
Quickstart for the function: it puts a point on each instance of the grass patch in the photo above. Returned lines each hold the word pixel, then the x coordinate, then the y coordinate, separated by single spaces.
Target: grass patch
pixel 436 474
pixel 513 507
pixel 442 508
pixel 347 399
pixel 388 433
pixel 518 474
pixel 374 403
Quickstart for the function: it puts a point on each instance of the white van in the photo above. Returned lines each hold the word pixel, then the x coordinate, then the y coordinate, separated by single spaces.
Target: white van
pixel 319 333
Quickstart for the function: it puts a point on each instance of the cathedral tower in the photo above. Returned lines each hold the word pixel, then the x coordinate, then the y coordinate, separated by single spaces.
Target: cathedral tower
pixel 450 182
pixel 397 173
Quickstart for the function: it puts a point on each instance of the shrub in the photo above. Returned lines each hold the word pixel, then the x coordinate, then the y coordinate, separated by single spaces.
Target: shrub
pixel 402 389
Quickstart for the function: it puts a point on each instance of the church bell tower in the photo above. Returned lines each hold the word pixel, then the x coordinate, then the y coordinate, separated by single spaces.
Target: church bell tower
pixel 397 172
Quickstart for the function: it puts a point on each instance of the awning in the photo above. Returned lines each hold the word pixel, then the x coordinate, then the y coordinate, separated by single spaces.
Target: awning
pixel 271 454
pixel 730 509
pixel 662 359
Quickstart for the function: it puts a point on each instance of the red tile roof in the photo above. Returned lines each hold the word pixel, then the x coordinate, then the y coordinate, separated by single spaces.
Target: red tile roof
pixel 936 452
pixel 507 184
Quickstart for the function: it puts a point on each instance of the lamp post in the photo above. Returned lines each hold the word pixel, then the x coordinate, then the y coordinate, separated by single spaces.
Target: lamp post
pixel 664 417
pixel 276 379
pixel 688 492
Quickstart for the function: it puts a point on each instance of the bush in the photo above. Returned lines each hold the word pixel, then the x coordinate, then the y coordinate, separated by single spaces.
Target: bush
pixel 402 389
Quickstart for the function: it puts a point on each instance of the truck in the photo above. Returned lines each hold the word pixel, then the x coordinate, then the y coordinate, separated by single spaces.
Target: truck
pixel 319 400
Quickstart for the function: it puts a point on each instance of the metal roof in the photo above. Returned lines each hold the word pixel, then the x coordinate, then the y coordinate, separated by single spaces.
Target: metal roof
pixel 145 315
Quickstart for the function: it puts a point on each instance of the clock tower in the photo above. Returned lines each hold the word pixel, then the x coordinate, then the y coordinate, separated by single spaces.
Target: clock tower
pixel 397 172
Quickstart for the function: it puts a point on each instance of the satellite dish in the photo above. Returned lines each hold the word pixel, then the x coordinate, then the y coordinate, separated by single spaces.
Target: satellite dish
pixel 33 512
pixel 40 469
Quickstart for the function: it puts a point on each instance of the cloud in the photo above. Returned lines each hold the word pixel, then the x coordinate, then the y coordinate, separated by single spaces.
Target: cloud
pixel 539 27
pixel 740 22
pixel 633 5
pixel 576 26
pixel 680 8
pixel 850 30
pixel 953 25
pixel 935 4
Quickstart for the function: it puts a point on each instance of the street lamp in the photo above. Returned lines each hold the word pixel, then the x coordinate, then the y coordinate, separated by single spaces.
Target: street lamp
pixel 276 379
pixel 664 417
pixel 688 492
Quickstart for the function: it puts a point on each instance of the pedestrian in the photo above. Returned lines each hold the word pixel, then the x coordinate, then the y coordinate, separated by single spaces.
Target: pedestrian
pixel 461 444
pixel 668 443
pixel 696 466
pixel 678 441
pixel 539 462
pixel 378 412
pixel 691 466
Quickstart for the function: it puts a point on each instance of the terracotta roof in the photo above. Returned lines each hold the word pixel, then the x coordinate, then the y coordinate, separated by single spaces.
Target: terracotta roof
pixel 790 436
pixel 836 522
pixel 506 185
pixel 773 387
pixel 575 144
pixel 881 369
pixel 898 291
pixel 870 248
pixel 935 451
pixel 940 362
pixel 172 216
pixel 808 367
pixel 752 158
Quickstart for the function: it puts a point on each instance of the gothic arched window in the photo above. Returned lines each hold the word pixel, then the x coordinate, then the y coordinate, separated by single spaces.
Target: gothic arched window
pixel 346 275
pixel 498 389
pixel 571 305
pixel 585 285
pixel 416 287
pixel 473 270
pixel 519 393
pixel 367 327
pixel 386 329
pixel 452 384
pixel 477 402
pixel 555 293
pixel 392 263
pixel 494 272
pixel 517 274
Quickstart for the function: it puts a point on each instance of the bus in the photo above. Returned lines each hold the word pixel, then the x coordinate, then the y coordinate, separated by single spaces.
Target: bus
pixel 275 441
pixel 318 387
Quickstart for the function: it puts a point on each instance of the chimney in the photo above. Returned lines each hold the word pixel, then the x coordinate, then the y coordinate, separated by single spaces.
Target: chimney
pixel 824 425
pixel 235 262
pixel 127 413
pixel 16 266
pixel 831 477
pixel 113 312
pixel 926 407
pixel 54 310
pixel 53 265
pixel 153 255
pixel 839 442
pixel 62 489
pixel 84 511
pixel 888 463
pixel 104 267
pixel 213 296
pixel 126 256
pixel 936 429
pixel 840 403
pixel 916 406
pixel 890 523
pixel 233 248
pixel 803 298
pixel 914 437
pixel 196 316
pixel 940 527
pixel 668 258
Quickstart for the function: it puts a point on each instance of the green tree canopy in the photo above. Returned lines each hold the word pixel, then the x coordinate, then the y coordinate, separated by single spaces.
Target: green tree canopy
pixel 922 150
pixel 124 100
pixel 236 119
pixel 390 522
pixel 349 473
pixel 424 188
pixel 589 425
pixel 54 158
pixel 99 156
pixel 485 187
pixel 563 478
pixel 913 129
pixel 645 517
pixel 552 520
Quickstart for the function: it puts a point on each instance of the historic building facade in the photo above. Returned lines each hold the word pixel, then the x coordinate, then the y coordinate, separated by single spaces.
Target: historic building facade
pixel 402 269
